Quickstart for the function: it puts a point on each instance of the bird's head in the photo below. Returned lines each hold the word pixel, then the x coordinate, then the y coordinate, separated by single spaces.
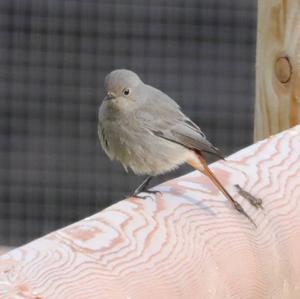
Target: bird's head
pixel 123 89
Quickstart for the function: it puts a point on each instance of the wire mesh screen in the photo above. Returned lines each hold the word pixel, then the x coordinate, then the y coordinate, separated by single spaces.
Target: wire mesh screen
pixel 54 55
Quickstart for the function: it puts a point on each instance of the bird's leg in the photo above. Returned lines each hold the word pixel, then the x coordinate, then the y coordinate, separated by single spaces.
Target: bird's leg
pixel 254 201
pixel 143 188
pixel 205 169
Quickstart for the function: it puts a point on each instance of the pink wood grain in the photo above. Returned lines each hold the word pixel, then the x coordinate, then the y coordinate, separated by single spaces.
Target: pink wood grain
pixel 187 243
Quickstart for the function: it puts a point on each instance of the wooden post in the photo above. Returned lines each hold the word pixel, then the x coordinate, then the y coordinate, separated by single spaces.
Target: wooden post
pixel 277 67
pixel 186 243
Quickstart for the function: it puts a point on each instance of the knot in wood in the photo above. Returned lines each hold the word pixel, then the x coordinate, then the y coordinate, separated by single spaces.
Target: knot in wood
pixel 283 69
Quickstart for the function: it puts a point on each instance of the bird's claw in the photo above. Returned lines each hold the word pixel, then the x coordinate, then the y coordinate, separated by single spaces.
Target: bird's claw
pixel 146 196
pixel 152 192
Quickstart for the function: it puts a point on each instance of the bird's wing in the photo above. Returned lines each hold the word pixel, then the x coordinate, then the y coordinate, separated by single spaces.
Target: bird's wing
pixel 164 118
pixel 186 136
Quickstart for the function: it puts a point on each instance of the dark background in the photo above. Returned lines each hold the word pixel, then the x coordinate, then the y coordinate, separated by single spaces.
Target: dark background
pixel 54 55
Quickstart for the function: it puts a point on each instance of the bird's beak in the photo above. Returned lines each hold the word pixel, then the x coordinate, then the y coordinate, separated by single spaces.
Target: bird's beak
pixel 110 96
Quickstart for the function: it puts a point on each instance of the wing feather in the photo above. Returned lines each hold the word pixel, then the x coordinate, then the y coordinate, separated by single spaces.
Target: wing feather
pixel 164 118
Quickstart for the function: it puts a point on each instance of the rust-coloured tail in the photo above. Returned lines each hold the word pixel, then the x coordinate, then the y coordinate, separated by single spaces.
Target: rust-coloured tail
pixel 205 169
pixel 213 178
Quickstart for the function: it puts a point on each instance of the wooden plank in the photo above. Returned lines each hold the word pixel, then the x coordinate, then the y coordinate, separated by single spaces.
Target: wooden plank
pixel 187 243
pixel 277 67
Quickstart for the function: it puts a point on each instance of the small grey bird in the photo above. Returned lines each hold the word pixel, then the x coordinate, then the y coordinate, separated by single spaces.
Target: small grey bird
pixel 145 130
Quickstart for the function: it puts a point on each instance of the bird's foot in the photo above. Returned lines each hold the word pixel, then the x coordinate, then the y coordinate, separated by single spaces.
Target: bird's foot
pixel 144 197
pixel 150 192
pixel 240 209
pixel 254 201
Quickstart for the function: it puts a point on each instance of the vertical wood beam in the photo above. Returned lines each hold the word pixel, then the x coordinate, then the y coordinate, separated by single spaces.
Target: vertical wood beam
pixel 277 67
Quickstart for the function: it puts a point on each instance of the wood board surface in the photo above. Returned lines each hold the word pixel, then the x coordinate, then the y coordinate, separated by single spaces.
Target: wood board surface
pixel 186 243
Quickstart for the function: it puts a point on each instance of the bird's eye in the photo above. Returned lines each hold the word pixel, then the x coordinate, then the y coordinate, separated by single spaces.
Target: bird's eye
pixel 126 91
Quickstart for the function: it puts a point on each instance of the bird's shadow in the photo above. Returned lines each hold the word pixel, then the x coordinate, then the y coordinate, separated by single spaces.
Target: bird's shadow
pixel 199 203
